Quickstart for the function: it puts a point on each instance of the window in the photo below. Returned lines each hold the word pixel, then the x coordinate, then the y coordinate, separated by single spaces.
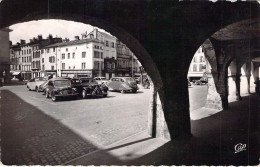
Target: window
pixel 73 55
pixel 63 66
pixel 98 54
pixel 73 67
pixel 201 58
pixel 69 67
pixel 66 49
pixel 113 45
pixel 194 67
pixel 52 67
pixel 107 43
pixel 83 65
pixel 83 54
pixel 42 51
pixel 194 59
pixel 68 55
pixel 200 68
pixel 42 67
pixel 42 60
pixel 53 49
pixel 48 50
pixel 63 56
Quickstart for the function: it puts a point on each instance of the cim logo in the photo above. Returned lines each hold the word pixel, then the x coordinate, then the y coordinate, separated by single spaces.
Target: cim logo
pixel 240 147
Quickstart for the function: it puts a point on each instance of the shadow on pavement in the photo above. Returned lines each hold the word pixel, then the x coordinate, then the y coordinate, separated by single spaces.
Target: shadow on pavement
pixel 30 137
pixel 214 139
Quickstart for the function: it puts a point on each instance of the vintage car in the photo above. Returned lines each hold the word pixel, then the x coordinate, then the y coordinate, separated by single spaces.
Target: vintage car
pixel 122 84
pixel 34 83
pixel 101 80
pixel 43 86
pixel 58 88
pixel 90 87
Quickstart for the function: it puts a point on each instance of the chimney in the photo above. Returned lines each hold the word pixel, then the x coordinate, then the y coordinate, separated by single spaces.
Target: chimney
pixel 22 42
pixel 50 36
pixel 39 37
pixel 76 37
pixel 31 40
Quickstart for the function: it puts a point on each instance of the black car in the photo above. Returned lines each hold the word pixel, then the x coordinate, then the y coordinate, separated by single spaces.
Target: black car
pixel 59 87
pixel 90 87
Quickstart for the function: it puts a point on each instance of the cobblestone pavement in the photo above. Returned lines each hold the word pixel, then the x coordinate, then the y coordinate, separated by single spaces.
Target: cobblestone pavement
pixel 36 131
pixel 31 138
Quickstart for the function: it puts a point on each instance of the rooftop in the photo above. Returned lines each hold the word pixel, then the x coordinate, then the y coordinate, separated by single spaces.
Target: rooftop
pixel 75 42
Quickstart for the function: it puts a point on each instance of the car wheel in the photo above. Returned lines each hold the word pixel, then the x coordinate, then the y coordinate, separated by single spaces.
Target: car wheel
pixel 134 91
pixel 28 88
pixel 36 89
pixel 122 91
pixel 84 94
pixel 47 94
pixel 105 95
pixel 53 97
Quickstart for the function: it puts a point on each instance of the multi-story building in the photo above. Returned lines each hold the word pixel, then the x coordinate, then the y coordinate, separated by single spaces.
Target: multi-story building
pixel 197 66
pixel 76 58
pixel 108 45
pixel 37 45
pixel 26 59
pixel 127 63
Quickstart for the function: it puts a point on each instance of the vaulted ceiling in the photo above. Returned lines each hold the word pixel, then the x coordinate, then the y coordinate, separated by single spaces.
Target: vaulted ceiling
pixel 246 29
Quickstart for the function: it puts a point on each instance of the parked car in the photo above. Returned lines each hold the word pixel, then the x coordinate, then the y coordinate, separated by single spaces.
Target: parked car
pixel 58 88
pixel 90 87
pixel 123 84
pixel 34 83
pixel 101 80
pixel 43 86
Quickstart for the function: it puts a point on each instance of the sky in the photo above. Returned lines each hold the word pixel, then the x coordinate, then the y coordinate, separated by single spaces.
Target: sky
pixel 60 28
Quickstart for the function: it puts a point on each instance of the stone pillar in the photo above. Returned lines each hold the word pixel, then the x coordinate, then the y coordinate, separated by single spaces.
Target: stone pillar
pixel 175 105
pixel 213 98
pixel 157 126
pixel 238 75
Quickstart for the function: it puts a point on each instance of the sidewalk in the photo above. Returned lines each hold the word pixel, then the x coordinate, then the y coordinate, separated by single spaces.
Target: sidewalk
pixel 213 142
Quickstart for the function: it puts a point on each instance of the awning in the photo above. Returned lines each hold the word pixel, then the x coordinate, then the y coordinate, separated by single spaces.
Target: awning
pixel 16 73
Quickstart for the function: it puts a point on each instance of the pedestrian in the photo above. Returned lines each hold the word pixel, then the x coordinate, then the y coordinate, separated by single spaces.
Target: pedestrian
pixel 257 86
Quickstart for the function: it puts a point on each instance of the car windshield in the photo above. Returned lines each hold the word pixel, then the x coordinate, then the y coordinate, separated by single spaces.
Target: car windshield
pixel 42 79
pixel 129 79
pixel 84 80
pixel 103 78
pixel 62 83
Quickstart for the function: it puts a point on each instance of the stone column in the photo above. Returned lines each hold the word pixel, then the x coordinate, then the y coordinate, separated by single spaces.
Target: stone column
pixel 173 99
pixel 213 98
pixel 238 75
pixel 157 126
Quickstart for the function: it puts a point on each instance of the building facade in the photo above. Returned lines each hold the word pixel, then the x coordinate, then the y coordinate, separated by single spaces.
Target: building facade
pixel 4 56
pixel 78 58
pixel 127 63
pixel 37 51
pixel 26 60
pixel 198 66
